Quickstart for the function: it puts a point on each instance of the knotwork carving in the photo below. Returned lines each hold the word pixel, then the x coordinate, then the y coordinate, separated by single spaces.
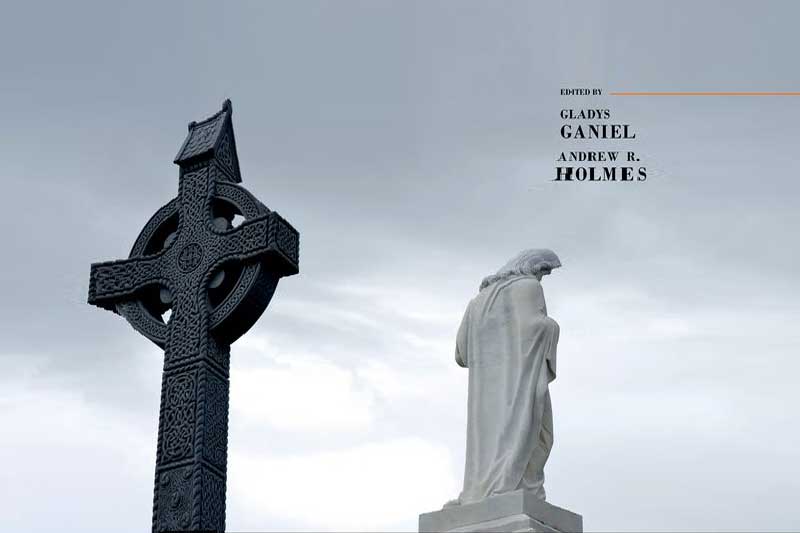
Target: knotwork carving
pixel 174 502
pixel 213 502
pixel 215 444
pixel 179 416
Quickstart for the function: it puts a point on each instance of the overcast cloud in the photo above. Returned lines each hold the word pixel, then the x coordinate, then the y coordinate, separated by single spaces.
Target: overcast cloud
pixel 412 144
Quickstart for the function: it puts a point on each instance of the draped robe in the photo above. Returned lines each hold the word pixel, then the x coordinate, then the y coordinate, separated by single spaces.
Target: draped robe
pixel 508 343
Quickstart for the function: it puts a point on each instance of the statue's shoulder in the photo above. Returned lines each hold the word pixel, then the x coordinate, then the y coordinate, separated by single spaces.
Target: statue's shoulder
pixel 528 280
pixel 523 283
pixel 505 287
pixel 525 292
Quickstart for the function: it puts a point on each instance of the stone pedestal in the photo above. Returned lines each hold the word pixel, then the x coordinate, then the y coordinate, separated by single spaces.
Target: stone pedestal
pixel 518 511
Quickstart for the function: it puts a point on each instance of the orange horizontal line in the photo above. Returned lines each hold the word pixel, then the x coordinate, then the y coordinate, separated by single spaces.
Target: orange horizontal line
pixel 696 93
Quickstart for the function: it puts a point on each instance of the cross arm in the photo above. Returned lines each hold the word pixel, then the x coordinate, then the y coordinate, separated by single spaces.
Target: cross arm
pixel 114 281
pixel 268 235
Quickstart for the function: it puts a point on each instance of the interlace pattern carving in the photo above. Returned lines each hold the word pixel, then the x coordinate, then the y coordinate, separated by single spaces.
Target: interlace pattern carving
pixel 202 137
pixel 174 502
pixel 225 156
pixel 148 232
pixel 135 314
pixel 285 238
pixel 180 411
pixel 213 505
pixel 215 444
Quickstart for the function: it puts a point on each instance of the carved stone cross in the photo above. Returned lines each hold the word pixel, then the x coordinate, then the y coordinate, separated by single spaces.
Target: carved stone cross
pixel 216 280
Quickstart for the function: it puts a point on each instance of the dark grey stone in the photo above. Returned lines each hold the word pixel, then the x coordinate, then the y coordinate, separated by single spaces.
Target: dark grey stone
pixel 217 280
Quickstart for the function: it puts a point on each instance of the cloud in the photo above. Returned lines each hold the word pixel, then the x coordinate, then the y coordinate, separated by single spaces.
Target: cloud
pixel 375 486
pixel 78 453
pixel 72 459
pixel 296 392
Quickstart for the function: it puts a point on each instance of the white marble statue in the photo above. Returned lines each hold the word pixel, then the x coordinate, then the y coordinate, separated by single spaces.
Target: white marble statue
pixel 508 343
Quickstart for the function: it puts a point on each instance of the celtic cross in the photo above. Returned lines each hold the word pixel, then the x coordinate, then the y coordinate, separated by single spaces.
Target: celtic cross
pixel 215 280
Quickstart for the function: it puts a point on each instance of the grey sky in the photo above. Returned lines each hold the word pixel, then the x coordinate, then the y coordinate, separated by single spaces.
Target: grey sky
pixel 412 144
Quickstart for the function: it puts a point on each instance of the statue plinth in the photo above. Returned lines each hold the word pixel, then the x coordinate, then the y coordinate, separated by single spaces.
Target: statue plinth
pixel 518 511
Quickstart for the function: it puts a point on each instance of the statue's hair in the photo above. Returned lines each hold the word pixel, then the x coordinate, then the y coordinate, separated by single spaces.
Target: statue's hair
pixel 526 263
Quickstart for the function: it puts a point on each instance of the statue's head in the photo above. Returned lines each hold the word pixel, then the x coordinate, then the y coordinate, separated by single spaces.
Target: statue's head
pixel 536 262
